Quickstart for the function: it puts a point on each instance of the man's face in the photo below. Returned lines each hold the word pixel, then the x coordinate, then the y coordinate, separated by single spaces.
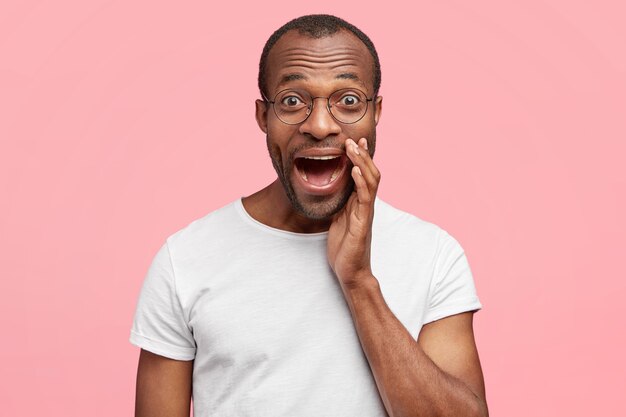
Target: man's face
pixel 310 157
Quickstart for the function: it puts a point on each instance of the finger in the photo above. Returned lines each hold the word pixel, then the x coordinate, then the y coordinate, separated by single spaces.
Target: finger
pixel 358 159
pixel 368 159
pixel 363 194
pixel 370 172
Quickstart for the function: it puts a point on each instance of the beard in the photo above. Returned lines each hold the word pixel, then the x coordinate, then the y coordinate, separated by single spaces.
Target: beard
pixel 313 207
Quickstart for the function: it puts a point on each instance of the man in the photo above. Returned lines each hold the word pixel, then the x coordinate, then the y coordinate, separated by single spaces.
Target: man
pixel 311 297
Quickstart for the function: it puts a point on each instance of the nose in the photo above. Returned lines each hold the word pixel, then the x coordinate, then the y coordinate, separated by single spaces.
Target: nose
pixel 320 124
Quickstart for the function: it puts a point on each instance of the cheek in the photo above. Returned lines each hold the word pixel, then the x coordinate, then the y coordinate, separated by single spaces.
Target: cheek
pixel 279 132
pixel 366 129
pixel 279 136
pixel 277 146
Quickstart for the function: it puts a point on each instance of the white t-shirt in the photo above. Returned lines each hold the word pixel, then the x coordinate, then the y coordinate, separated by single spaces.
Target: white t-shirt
pixel 263 317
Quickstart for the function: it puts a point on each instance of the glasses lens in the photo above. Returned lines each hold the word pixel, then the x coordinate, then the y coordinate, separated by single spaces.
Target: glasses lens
pixel 292 106
pixel 348 105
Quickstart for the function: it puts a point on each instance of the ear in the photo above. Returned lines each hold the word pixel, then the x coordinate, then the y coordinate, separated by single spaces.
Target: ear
pixel 378 108
pixel 261 114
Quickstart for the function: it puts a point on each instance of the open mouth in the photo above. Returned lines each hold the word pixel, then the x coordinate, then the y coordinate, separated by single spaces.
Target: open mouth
pixel 320 171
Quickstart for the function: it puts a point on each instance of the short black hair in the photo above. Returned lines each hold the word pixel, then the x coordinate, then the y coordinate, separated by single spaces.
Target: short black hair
pixel 317 26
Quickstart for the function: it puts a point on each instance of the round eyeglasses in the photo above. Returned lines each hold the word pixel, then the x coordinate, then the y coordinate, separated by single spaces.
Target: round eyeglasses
pixel 293 107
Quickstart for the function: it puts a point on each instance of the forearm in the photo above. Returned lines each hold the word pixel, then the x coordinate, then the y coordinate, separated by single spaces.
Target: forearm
pixel 410 384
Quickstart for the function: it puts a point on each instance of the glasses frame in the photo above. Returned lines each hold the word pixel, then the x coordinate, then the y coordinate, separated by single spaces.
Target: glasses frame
pixel 312 105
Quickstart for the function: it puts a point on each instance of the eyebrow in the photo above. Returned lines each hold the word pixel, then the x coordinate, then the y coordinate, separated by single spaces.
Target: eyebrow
pixel 296 76
pixel 348 76
pixel 291 77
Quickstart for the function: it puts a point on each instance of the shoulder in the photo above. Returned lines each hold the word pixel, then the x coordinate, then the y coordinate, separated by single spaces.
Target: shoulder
pixel 399 230
pixel 206 231
pixel 391 221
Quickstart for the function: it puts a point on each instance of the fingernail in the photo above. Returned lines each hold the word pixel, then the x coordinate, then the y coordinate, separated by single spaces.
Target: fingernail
pixel 365 143
pixel 358 170
pixel 356 149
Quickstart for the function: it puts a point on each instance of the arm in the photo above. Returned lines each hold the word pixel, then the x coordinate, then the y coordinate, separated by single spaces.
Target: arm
pixel 163 386
pixel 439 375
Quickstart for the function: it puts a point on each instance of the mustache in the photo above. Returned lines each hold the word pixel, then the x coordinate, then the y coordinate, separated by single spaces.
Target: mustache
pixel 340 147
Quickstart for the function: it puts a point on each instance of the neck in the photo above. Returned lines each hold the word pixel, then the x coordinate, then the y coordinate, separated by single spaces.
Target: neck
pixel 271 207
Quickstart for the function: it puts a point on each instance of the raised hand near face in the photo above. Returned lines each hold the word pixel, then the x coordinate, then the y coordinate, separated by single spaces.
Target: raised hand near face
pixel 350 234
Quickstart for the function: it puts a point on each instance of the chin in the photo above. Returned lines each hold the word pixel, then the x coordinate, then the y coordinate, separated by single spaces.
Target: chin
pixel 313 205
pixel 321 207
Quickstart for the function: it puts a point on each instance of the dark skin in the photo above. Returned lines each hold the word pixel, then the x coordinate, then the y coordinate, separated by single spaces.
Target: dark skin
pixel 296 62
pixel 163 386
pixel 437 375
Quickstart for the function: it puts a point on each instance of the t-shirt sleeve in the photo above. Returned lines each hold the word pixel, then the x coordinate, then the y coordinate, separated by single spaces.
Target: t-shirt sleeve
pixel 159 325
pixel 452 291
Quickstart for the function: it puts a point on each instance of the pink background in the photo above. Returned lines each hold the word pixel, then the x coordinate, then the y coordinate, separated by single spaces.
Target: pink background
pixel 122 121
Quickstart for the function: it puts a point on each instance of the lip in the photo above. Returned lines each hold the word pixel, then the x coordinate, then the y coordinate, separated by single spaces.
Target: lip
pixel 320 152
pixel 329 188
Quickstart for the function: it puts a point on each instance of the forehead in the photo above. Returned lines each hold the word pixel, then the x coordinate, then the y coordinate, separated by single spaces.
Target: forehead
pixel 319 62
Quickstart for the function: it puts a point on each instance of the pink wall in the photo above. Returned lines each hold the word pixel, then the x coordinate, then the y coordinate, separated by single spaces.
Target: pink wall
pixel 121 122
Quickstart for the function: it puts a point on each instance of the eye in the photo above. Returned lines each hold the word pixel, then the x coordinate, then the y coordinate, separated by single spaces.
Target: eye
pixel 349 100
pixel 291 101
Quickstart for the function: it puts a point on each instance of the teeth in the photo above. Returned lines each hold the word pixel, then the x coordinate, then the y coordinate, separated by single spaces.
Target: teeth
pixel 332 177
pixel 322 158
